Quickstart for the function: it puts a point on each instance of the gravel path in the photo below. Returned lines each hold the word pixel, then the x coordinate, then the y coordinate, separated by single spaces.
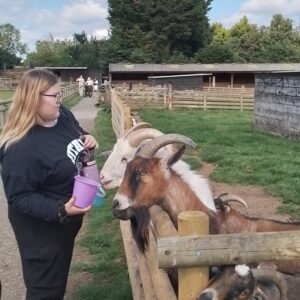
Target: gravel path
pixel 10 266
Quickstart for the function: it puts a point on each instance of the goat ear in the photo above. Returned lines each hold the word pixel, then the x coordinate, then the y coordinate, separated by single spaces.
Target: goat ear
pixel 176 156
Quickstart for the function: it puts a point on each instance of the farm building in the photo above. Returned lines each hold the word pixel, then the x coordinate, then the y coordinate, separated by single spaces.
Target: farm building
pixel 179 82
pixel 277 103
pixel 220 75
pixel 69 74
pixel 66 74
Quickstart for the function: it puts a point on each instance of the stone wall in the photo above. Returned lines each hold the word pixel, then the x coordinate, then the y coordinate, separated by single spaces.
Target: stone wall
pixel 277 103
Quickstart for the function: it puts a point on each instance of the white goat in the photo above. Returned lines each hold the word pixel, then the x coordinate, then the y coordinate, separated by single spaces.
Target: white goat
pixel 112 173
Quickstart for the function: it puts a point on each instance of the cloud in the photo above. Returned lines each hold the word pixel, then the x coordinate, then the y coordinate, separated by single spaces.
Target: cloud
pixel 36 19
pixel 261 12
pixel 284 7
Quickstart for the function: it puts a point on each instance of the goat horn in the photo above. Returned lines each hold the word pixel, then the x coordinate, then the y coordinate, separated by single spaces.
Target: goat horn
pixel 136 127
pixel 137 136
pixel 274 277
pixel 230 198
pixel 149 149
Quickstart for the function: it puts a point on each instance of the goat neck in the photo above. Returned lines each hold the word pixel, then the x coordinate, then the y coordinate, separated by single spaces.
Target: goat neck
pixel 179 197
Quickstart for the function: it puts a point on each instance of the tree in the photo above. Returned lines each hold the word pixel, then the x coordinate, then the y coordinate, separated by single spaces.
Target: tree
pixel 247 40
pixel 10 45
pixel 216 53
pixel 50 52
pixel 281 29
pixel 159 30
pixel 219 33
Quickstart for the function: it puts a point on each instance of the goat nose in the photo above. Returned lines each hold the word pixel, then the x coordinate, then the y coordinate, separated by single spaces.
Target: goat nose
pixel 115 203
pixel 206 296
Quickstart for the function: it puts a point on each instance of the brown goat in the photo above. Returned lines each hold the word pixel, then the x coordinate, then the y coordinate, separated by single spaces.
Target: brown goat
pixel 229 220
pixel 149 180
pixel 242 283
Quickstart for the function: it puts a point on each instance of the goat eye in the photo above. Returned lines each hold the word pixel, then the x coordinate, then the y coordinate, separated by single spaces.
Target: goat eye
pixel 245 292
pixel 124 159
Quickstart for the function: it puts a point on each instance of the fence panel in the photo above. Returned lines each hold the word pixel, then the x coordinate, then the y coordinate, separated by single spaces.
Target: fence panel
pixel 67 92
pixel 140 96
pixel 6 83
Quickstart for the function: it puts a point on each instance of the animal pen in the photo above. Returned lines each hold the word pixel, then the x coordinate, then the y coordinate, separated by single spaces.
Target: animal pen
pixel 190 249
pixel 162 97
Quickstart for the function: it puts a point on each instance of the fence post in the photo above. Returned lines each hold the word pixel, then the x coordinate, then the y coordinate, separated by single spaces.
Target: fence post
pixel 192 280
pixel 127 117
pixel 241 99
pixel 170 95
pixel 165 96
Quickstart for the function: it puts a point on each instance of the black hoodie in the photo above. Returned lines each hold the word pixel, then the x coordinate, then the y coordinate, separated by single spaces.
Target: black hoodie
pixel 38 171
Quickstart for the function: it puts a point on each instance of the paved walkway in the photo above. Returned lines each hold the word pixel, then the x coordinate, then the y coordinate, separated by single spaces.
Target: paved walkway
pixel 10 266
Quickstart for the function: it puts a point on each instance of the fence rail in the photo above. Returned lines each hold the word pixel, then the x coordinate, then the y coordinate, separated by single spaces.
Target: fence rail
pixel 66 91
pixel 141 96
pixel 6 83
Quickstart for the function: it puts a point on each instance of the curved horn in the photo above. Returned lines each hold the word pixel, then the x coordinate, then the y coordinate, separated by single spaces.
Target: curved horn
pixel 274 277
pixel 149 149
pixel 137 136
pixel 136 127
pixel 232 198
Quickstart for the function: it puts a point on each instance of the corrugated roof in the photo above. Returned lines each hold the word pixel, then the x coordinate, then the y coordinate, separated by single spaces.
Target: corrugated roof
pixel 182 75
pixel 181 68
pixel 62 68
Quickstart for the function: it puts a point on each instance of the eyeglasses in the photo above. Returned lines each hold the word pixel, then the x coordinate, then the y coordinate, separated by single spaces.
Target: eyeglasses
pixel 58 97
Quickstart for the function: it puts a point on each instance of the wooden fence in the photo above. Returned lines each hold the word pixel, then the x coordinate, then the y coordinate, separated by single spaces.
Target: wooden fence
pixel 66 91
pixel 141 96
pixel 6 83
pixel 191 250
pixel 120 112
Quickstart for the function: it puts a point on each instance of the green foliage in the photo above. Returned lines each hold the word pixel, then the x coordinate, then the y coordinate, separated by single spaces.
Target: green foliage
pixel 50 52
pixel 216 53
pixel 242 154
pixel 10 46
pixel 219 33
pixel 159 31
pixel 248 43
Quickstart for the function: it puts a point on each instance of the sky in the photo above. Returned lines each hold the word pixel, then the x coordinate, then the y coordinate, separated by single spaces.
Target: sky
pixel 36 19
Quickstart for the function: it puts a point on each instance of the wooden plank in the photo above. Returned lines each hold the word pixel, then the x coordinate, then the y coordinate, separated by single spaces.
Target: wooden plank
pixel 228 249
pixel 133 268
pixel 161 282
pixel 193 279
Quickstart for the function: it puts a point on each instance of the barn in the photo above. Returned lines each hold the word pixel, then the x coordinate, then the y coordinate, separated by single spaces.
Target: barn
pixel 218 75
pixel 70 74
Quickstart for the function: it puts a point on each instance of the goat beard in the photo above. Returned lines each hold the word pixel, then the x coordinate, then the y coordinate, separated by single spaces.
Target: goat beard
pixel 140 228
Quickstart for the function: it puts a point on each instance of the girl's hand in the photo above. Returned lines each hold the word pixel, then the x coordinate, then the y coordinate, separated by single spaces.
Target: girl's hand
pixel 72 210
pixel 90 142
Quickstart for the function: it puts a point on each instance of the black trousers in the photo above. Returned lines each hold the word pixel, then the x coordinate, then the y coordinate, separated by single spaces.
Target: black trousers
pixel 46 250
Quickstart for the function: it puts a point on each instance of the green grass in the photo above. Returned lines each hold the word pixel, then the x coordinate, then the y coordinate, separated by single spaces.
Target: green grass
pixel 6 95
pixel 242 154
pixel 72 100
pixel 103 239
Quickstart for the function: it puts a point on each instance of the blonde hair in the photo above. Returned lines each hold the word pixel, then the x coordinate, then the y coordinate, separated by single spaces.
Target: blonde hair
pixel 21 115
